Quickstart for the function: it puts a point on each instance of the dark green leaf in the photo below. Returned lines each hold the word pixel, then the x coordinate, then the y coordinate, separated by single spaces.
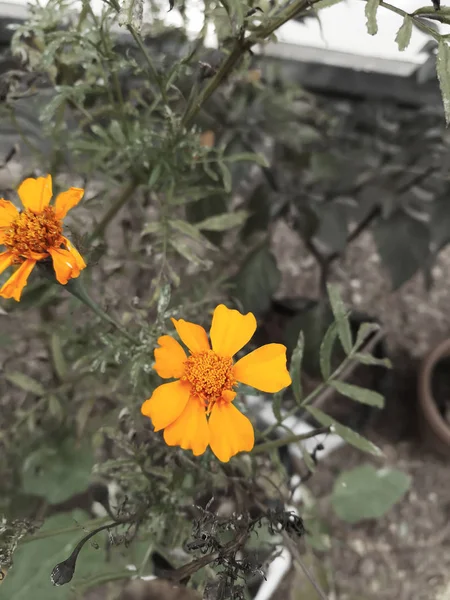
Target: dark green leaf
pixel 314 322
pixel 257 281
pixel 371 16
pixel 403 244
pixel 347 434
pixel 359 394
pixel 440 222
pixel 326 351
pixel 340 315
pixel 25 383
pixel 404 33
pixel 333 228
pixel 259 207
pixel 296 368
pixel 443 73
pixel 368 493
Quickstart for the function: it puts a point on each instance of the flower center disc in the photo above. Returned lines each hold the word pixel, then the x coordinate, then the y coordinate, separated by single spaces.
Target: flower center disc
pixel 31 232
pixel 209 374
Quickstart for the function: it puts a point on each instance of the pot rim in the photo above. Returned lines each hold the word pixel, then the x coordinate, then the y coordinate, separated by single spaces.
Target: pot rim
pixel 426 398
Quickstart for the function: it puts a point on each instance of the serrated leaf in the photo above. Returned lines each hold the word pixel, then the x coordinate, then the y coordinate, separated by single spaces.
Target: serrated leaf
pixel 307 458
pixel 340 314
pixel 365 330
pixel 295 370
pixel 226 176
pixel 326 351
pixel 59 361
pixel 191 231
pixel 259 159
pixel 25 383
pixel 276 406
pixel 359 394
pixel 403 36
pixel 188 254
pixel 224 221
pixel 371 16
pixel 443 73
pixel 367 493
pixel 347 434
pixel 368 359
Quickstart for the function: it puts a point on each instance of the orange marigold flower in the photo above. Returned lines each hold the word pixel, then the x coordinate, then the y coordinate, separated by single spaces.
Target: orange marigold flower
pixel 197 410
pixel 36 233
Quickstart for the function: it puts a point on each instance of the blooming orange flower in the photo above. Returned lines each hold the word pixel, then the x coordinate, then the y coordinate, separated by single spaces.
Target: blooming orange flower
pixel 36 233
pixel 197 410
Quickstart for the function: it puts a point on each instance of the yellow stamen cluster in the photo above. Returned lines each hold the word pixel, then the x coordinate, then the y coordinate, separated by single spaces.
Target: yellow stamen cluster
pixel 30 233
pixel 209 375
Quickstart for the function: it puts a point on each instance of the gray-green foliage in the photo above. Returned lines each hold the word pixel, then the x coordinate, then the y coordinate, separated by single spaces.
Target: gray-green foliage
pixel 368 493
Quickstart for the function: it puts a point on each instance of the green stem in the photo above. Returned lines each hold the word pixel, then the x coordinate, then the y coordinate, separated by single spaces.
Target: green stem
pixel 40 535
pixel 417 22
pixel 137 38
pixel 241 46
pixel 288 439
pixel 76 288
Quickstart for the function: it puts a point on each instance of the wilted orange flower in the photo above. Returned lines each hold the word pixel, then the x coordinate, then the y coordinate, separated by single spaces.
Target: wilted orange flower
pixel 197 410
pixel 36 233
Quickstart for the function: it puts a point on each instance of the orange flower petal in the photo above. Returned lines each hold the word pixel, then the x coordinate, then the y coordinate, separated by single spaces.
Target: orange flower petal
pixel 76 255
pixel 264 368
pixel 166 403
pixel 190 430
pixel 194 336
pixel 36 193
pixel 231 330
pixel 67 200
pixel 14 285
pixel 170 358
pixel 6 260
pixel 8 212
pixel 64 264
pixel 230 431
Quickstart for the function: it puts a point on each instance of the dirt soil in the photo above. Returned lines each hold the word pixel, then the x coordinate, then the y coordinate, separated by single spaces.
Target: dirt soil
pixel 406 554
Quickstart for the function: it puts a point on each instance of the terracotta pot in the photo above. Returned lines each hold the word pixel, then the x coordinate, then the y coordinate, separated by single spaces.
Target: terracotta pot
pixel 435 429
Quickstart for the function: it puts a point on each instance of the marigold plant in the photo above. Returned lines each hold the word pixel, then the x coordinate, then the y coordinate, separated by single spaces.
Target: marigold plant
pixel 197 410
pixel 36 233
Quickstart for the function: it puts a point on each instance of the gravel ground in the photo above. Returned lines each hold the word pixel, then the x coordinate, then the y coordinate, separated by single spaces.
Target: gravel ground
pixel 406 554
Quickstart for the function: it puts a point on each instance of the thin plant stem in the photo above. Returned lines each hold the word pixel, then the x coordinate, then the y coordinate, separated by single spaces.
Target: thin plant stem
pixel 288 439
pixel 122 199
pixel 40 535
pixel 241 46
pixel 76 288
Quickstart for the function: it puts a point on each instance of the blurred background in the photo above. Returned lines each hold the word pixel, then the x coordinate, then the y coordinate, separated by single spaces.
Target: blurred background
pixel 353 190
